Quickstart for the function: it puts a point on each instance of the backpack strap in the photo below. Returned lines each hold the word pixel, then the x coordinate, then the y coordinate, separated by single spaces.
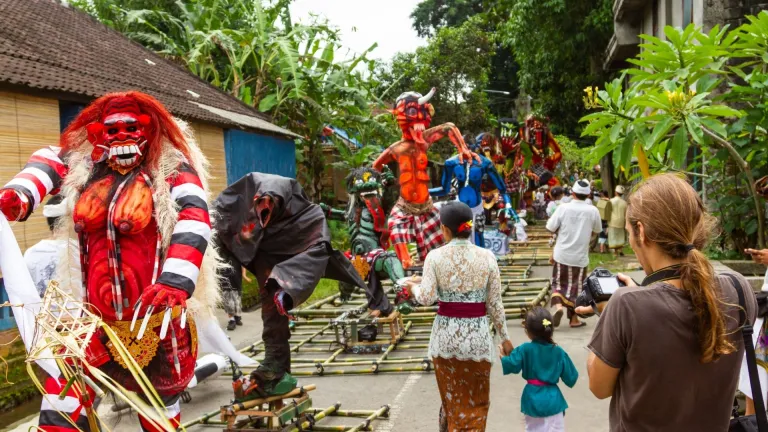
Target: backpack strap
pixel 749 349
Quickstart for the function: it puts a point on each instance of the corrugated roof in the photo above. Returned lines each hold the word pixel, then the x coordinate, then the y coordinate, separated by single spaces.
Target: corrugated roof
pixel 249 121
pixel 46 45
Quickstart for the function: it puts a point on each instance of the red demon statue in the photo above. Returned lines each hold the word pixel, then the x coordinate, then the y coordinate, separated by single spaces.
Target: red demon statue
pixel 546 152
pixel 139 188
pixel 414 218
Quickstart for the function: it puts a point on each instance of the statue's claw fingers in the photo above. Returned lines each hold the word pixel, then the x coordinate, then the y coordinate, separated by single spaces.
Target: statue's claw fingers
pixel 144 323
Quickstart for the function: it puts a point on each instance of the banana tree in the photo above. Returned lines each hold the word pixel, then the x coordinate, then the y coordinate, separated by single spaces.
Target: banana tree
pixel 679 96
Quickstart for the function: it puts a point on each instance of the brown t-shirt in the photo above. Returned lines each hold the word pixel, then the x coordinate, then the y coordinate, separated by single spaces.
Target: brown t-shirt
pixel 648 333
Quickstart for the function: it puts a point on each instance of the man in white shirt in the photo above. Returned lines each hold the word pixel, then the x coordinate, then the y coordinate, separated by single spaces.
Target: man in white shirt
pixel 575 223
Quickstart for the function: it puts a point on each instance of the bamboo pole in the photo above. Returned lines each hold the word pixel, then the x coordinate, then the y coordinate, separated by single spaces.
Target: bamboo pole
pixel 319 416
pixel 204 419
pixel 240 406
pixel 360 371
pixel 366 425
pixel 351 413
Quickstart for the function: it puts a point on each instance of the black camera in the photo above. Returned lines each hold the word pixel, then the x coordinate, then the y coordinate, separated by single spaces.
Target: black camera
pixel 598 287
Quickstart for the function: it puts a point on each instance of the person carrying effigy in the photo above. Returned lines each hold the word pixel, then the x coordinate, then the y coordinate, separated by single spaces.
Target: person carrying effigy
pixel 269 225
pixel 415 218
pixel 470 175
pixel 138 183
pixel 369 239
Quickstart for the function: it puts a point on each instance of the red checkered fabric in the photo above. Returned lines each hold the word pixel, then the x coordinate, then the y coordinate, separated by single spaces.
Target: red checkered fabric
pixel 371 256
pixel 423 229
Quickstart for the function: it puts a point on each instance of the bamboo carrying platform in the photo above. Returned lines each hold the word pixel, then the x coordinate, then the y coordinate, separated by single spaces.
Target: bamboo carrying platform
pixel 289 412
pixel 346 329
pixel 316 350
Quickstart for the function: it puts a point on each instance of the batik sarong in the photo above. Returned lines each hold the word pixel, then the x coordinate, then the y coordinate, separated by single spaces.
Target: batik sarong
pixel 566 285
pixel 464 390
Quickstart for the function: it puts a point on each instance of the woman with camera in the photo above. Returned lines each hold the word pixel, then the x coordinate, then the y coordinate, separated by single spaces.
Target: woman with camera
pixel 465 279
pixel 668 352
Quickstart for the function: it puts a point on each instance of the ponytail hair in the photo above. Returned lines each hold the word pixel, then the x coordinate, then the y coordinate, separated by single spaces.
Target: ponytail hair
pixel 673 217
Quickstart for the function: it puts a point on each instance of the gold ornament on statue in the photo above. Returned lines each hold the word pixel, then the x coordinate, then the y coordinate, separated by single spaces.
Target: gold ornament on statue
pixel 361 265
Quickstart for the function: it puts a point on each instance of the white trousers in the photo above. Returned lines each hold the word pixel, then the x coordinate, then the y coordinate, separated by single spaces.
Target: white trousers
pixel 555 423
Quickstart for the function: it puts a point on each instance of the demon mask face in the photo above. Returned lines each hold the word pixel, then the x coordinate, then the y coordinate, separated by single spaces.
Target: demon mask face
pixel 120 136
pixel 364 182
pixel 265 206
pixel 488 145
pixel 537 132
pixel 414 114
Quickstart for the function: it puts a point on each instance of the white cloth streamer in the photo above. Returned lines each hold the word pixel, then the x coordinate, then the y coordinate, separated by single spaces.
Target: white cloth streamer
pixel 21 290
pixel 211 339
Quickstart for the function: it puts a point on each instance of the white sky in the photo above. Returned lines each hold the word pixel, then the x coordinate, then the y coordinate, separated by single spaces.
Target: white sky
pixel 386 22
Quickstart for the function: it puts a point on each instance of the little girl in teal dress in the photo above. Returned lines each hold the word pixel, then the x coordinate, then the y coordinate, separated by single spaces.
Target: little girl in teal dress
pixel 543 363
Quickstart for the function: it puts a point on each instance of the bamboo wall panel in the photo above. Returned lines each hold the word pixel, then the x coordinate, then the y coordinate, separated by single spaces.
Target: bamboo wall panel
pixel 211 142
pixel 27 124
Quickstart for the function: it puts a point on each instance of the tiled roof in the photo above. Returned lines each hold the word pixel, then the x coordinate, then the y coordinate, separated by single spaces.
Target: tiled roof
pixel 49 46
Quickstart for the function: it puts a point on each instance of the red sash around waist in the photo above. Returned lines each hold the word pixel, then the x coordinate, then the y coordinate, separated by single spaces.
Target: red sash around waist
pixel 461 310
pixel 537 383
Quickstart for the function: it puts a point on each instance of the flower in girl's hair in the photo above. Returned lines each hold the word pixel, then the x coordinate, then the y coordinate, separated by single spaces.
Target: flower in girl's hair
pixel 546 322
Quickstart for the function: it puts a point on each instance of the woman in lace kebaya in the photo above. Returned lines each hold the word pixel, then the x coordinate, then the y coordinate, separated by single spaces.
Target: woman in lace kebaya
pixel 465 279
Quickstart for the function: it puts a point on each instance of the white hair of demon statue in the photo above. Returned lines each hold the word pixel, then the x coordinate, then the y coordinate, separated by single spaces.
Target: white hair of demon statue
pixel 138 184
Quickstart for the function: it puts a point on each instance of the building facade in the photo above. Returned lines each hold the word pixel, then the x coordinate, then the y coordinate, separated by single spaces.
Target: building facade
pixel 632 18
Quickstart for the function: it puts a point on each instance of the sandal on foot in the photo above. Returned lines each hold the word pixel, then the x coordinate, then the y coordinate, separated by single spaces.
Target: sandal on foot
pixel 557 316
pixel 580 324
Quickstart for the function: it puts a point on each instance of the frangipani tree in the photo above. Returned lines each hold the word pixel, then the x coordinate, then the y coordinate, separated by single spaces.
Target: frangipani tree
pixel 693 89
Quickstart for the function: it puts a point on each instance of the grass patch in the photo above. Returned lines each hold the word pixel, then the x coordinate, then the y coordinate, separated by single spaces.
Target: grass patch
pixel 252 299
pixel 609 261
pixel 325 288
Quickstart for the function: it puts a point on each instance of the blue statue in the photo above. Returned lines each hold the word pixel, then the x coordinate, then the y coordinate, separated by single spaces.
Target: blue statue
pixel 469 179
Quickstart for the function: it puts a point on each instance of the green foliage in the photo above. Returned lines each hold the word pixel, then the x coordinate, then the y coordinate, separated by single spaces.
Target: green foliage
pixel 676 100
pixel 432 15
pixel 575 158
pixel 252 50
pixel 339 234
pixel 559 46
pixel 457 62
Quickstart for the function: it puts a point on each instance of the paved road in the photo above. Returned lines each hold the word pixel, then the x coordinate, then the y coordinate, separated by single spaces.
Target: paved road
pixel 414 397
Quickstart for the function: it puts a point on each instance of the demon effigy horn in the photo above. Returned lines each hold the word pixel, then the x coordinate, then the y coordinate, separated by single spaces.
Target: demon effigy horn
pixel 424 99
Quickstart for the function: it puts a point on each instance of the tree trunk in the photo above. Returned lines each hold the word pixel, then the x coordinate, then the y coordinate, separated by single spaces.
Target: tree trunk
pixel 744 167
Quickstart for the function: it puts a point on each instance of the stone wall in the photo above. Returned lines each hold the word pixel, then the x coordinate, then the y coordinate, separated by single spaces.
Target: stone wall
pixel 731 12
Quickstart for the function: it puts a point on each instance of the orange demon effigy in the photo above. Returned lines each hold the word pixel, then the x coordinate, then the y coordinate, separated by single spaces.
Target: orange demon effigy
pixel 415 218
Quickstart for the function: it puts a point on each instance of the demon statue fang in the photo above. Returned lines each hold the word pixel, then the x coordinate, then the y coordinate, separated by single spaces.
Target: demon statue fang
pixel 414 218
pixel 269 226
pixel 139 188
pixel 369 237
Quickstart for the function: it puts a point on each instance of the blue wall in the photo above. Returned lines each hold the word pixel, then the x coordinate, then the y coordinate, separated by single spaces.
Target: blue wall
pixel 67 112
pixel 247 152
pixel 6 315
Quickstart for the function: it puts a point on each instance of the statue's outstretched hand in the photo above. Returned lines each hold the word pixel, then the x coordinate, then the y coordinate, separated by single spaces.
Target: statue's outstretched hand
pixel 13 204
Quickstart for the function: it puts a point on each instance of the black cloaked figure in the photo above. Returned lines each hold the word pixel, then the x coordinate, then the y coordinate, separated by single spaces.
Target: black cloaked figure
pixel 267 223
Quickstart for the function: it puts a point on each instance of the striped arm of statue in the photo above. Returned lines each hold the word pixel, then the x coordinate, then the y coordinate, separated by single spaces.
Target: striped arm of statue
pixel 191 233
pixel 42 175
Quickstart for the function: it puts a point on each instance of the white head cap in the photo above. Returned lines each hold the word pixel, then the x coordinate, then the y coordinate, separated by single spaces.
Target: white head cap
pixel 581 188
